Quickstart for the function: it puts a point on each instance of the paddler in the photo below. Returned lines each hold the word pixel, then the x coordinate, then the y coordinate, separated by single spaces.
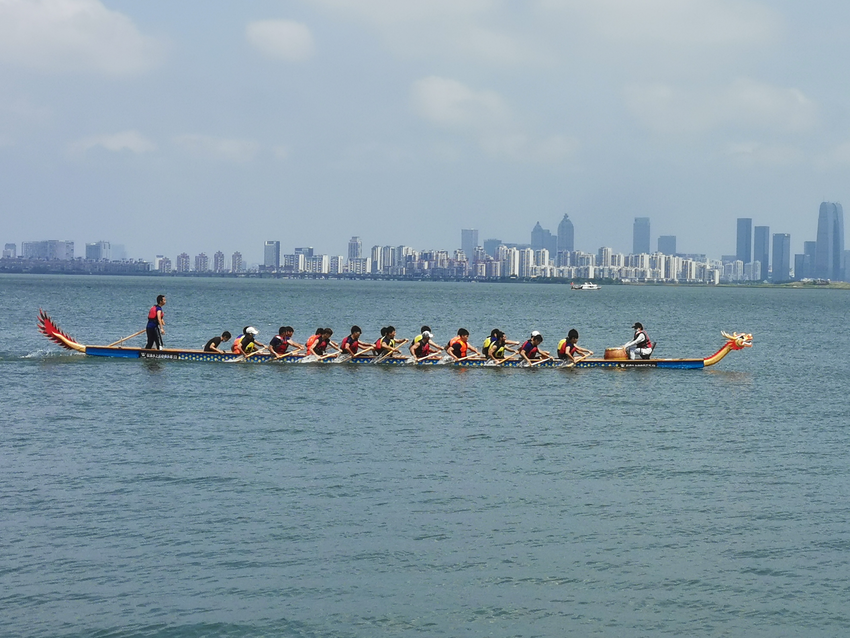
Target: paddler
pixel 246 343
pixel 640 345
pixel 282 341
pixel 319 342
pixel 530 350
pixel 568 349
pixel 500 340
pixel 458 348
pixel 351 344
pixel 214 343
pixel 387 344
pixel 155 327
pixel 423 345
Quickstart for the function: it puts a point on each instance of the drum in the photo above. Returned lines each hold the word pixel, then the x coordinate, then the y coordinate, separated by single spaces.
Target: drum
pixel 615 353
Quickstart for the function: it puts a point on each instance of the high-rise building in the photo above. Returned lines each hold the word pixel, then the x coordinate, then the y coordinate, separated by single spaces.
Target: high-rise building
pixel 761 248
pixel 98 250
pixel 781 257
pixel 307 251
pixel 829 251
pixel 271 255
pixel 355 248
pixel 49 249
pixel 667 244
pixel 491 247
pixel 744 245
pixel 218 262
pixel 182 264
pixel 236 264
pixel 640 236
pixel 10 251
pixel 377 260
pixel 202 263
pixel 566 236
pixel 468 242
pixel 164 264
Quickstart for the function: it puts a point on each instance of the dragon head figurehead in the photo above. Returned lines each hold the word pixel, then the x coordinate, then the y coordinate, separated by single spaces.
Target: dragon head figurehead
pixel 738 340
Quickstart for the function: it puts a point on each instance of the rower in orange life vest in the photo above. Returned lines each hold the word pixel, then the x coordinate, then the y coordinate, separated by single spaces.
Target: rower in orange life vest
pixel 155 327
pixel 569 350
pixel 459 348
pixel 530 350
pixel 351 344
pixel 640 346
pixel 319 342
pixel 280 343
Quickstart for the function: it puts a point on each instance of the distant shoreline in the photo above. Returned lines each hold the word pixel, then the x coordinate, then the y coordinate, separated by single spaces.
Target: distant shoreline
pixel 46 270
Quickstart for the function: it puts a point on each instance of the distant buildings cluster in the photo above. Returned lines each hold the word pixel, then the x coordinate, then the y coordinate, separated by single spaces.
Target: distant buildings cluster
pixel 548 255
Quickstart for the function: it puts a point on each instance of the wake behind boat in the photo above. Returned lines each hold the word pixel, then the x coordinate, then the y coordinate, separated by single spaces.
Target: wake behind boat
pixel 736 341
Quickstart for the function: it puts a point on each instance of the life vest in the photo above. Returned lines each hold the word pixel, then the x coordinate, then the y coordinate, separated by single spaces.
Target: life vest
pixel 384 343
pixel 500 350
pixel 237 345
pixel 320 347
pixel 152 312
pixel 311 342
pixel 246 344
pixel 421 348
pixel 530 352
pixel 487 343
pixel 349 343
pixel 458 346
pixel 562 349
pixel 281 346
pixel 645 344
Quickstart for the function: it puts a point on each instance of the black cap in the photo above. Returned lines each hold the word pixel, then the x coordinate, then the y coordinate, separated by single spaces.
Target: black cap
pixel 638 324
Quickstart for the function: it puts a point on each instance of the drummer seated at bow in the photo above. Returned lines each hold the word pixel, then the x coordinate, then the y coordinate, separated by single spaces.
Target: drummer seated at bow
pixel 569 350
pixel 387 344
pixel 530 350
pixel 640 345
pixel 351 344
pixel 282 341
pixel 246 342
pixel 423 345
pixel 458 348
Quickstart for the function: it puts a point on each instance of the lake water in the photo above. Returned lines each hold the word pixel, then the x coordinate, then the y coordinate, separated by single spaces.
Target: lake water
pixel 158 498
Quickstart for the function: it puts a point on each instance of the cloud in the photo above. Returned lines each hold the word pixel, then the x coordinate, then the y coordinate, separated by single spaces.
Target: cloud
pixel 218 148
pixel 484 116
pixel 281 39
pixel 132 141
pixel 73 35
pixel 744 104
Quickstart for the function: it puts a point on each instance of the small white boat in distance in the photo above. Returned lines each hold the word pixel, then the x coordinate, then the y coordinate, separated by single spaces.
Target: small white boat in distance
pixel 587 285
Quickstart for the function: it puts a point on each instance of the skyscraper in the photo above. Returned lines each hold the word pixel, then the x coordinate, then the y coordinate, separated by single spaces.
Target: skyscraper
pixel 218 261
pixel 271 254
pixel 566 235
pixel 640 238
pixel 468 242
pixel 744 246
pixel 781 257
pixel 761 248
pixel 236 262
pixel 355 248
pixel 667 244
pixel 829 251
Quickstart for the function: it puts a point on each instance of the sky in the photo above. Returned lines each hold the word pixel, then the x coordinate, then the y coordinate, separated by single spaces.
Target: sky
pixel 204 125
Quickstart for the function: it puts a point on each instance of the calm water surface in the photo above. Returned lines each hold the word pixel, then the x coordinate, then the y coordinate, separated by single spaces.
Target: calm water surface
pixel 145 498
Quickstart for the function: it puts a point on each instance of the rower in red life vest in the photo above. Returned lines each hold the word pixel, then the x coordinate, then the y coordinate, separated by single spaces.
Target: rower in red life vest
pixel 459 348
pixel 351 344
pixel 155 327
pixel 640 346
pixel 530 350
pixel 280 343
pixel 569 350
pixel 423 345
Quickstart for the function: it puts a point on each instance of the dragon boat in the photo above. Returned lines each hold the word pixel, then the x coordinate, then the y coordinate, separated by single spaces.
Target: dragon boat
pixel 736 341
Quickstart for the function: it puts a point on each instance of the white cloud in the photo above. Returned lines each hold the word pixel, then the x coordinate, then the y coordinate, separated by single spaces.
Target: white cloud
pixel 485 117
pixel 73 35
pixel 744 103
pixel 218 148
pixel 281 39
pixel 132 141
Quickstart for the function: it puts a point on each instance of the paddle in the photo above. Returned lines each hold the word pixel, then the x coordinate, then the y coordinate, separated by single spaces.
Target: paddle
pixel 135 334
pixel 513 356
pixel 548 357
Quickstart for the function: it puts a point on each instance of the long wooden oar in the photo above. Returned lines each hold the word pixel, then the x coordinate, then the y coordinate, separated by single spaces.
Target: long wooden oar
pixel 537 363
pixel 135 334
